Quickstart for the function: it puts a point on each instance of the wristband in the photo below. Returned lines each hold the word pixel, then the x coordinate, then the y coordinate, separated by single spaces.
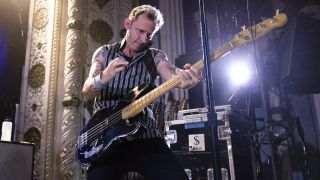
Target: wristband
pixel 97 82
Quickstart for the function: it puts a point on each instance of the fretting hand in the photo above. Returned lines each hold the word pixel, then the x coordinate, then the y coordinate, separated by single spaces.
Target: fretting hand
pixel 189 76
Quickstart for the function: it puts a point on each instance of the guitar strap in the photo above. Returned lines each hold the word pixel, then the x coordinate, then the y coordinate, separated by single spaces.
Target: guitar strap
pixel 151 67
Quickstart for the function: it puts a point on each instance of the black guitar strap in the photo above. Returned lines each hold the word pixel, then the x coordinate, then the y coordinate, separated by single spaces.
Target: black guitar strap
pixel 151 66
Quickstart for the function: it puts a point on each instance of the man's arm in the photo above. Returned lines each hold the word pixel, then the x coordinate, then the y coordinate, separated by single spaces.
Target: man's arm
pixel 98 78
pixel 91 88
pixel 189 76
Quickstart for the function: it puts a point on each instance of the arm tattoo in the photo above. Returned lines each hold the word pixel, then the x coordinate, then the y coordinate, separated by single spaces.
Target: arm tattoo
pixel 90 90
pixel 173 70
pixel 160 56
pixel 158 60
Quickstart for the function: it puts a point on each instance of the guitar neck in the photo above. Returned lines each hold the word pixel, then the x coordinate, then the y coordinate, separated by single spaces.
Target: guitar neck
pixel 218 53
pixel 137 106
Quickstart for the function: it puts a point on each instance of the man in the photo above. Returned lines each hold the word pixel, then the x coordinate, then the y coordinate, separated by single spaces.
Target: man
pixel 118 68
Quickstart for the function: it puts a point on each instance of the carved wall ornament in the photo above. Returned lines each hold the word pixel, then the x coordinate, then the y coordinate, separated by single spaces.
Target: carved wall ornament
pixel 73 64
pixel 71 100
pixel 100 31
pixel 34 107
pixel 75 25
pixel 40 18
pixel 39 45
pixel 36 75
pixel 102 3
pixel 33 135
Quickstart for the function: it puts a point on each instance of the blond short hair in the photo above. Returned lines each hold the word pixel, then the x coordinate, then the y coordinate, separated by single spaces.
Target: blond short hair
pixel 151 13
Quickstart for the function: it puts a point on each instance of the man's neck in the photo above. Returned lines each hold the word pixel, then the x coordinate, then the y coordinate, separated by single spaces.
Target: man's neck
pixel 129 52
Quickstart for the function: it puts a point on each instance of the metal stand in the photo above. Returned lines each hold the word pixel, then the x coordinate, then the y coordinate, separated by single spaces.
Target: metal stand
pixel 212 116
pixel 264 97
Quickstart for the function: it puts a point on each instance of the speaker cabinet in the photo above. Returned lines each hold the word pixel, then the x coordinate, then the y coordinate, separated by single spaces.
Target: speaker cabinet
pixel 16 160
pixel 301 66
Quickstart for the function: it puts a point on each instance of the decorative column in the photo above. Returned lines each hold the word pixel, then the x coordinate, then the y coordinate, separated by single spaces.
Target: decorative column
pixel 37 115
pixel 71 121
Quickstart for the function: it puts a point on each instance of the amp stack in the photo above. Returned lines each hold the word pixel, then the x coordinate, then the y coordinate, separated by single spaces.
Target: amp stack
pixel 190 139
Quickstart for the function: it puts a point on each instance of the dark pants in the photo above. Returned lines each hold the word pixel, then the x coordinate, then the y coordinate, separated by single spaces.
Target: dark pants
pixel 149 157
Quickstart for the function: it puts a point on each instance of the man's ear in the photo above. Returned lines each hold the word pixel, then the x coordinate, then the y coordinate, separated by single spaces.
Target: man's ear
pixel 127 23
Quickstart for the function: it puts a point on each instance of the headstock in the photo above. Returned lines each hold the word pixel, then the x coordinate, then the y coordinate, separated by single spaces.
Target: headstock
pixel 259 30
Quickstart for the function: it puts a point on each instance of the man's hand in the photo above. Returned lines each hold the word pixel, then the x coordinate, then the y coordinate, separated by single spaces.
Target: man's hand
pixel 114 67
pixel 189 76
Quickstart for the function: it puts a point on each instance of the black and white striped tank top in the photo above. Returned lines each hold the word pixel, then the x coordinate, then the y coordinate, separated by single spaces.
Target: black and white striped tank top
pixel 134 75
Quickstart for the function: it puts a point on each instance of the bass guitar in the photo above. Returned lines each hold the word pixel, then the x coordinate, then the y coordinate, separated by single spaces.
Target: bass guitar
pixel 108 125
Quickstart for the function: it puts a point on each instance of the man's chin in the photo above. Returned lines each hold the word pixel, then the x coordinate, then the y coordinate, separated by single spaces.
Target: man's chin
pixel 141 47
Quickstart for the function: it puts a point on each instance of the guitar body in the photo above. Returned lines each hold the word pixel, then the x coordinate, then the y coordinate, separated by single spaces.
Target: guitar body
pixel 105 127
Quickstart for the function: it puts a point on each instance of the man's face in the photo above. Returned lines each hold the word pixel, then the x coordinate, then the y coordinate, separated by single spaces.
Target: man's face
pixel 140 32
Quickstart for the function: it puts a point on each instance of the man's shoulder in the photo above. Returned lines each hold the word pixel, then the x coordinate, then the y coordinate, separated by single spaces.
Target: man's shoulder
pixel 156 51
pixel 113 45
pixel 116 45
pixel 108 47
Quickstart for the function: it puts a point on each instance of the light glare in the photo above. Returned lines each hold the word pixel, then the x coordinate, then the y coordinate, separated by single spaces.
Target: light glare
pixel 239 73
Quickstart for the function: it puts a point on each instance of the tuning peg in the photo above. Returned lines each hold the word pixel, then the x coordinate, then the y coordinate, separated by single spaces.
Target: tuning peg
pixel 277 12
pixel 243 27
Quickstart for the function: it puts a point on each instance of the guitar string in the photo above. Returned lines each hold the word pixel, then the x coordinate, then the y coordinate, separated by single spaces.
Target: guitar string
pixel 98 128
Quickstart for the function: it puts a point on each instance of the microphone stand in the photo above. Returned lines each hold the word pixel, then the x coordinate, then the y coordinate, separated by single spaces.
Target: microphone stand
pixel 212 115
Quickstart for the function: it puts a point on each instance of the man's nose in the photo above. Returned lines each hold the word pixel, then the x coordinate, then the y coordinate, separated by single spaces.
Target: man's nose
pixel 144 38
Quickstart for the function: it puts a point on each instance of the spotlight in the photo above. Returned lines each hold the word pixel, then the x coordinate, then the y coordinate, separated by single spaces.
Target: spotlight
pixel 239 73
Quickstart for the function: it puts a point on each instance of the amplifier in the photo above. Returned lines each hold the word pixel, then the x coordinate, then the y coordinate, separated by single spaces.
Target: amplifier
pixel 16 160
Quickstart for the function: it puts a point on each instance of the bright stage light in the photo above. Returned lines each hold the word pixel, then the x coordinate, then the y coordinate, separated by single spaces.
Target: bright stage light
pixel 239 73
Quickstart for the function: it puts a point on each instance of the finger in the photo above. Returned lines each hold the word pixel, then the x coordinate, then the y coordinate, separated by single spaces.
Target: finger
pixel 118 69
pixel 120 64
pixel 196 71
pixel 187 66
pixel 181 73
pixel 185 74
pixel 192 74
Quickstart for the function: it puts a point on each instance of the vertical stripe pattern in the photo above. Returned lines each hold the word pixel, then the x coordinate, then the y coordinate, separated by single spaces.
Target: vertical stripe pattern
pixel 116 90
